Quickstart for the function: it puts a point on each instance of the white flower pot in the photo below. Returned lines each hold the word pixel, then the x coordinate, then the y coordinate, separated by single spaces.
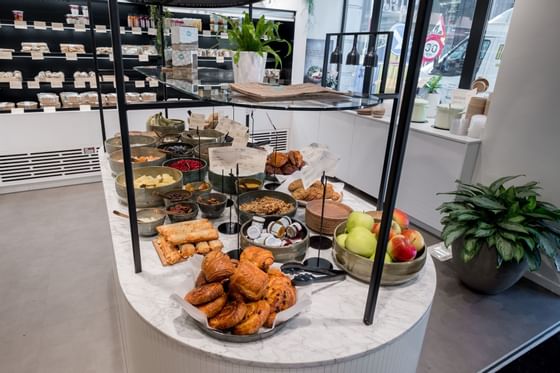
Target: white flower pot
pixel 249 68
pixel 433 102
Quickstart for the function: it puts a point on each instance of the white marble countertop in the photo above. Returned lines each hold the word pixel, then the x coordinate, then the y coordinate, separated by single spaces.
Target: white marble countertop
pixel 330 330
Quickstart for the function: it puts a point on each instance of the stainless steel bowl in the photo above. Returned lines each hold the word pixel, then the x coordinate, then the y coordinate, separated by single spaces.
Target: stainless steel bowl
pixel 229 181
pixel 117 165
pixel 251 196
pixel 203 151
pixel 149 228
pixel 149 197
pixel 282 254
pixel 206 136
pixel 114 143
pixel 360 267
pixel 173 129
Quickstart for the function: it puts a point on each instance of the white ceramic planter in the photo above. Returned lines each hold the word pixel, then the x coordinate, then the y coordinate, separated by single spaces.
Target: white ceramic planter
pixel 250 68
pixel 433 102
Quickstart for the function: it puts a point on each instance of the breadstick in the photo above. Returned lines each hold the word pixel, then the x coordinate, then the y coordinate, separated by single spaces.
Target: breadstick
pixel 194 237
pixel 216 245
pixel 187 250
pixel 177 227
pixel 202 248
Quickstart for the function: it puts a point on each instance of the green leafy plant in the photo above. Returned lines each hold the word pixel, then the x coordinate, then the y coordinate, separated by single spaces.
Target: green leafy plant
pixel 512 220
pixel 433 84
pixel 155 15
pixel 248 37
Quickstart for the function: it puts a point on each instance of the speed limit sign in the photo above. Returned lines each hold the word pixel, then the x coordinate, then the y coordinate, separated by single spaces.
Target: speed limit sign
pixel 432 48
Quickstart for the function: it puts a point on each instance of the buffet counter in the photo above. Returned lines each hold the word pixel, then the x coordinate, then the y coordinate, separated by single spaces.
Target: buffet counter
pixel 327 337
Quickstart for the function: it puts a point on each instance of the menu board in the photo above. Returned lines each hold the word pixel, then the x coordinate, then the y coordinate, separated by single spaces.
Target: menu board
pixel 251 161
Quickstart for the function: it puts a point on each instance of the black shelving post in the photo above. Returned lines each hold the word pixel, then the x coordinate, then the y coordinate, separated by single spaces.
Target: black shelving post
pixel 409 93
pixel 96 67
pixel 123 122
pixel 396 101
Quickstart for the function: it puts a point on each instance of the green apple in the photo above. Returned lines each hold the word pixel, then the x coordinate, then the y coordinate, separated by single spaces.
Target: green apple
pixel 388 258
pixel 341 240
pixel 361 241
pixel 359 219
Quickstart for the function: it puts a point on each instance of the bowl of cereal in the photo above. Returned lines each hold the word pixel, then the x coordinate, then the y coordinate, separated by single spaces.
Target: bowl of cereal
pixel 150 184
pixel 265 203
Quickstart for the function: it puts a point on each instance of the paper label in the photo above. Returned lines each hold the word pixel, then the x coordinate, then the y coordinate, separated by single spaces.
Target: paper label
pixel 17 110
pixel 39 25
pixel 20 25
pixel 461 97
pixel 137 31
pixel 56 83
pixel 139 83
pixel 206 33
pixel 220 59
pixel 33 84
pixel 49 109
pixel 92 83
pixel 152 31
pixel 80 27
pixel 197 120
pixel 223 35
pixel 71 56
pixel 79 83
pixel 101 28
pixel 143 57
pixel 85 107
pixel 15 84
pixel 111 57
pixel 153 83
pixel 37 55
pixel 122 30
pixel 57 26
pixel 251 161
pixel 6 56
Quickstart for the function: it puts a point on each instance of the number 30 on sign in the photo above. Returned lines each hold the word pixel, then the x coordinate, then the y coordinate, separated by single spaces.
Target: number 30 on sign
pixel 432 48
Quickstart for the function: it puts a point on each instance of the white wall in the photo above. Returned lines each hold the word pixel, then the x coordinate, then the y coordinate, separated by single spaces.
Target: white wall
pixel 523 129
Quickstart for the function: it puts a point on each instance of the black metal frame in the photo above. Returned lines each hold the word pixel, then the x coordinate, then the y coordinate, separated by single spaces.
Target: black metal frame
pixel 397 155
pixel 366 87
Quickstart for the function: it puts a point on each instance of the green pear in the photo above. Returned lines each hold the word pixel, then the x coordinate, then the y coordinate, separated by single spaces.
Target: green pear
pixel 359 219
pixel 388 258
pixel 361 241
pixel 341 240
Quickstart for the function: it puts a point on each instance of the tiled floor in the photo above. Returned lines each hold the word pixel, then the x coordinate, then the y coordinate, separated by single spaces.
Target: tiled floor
pixel 57 309
pixel 58 313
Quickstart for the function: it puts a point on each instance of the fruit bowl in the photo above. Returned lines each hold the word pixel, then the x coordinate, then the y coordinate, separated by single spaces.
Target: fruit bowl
pixel 360 267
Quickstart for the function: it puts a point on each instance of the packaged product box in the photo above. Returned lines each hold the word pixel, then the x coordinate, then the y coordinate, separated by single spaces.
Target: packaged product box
pixel 184 47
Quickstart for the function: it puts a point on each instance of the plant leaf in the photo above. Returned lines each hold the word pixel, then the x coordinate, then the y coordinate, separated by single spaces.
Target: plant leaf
pixel 547 243
pixel 482 233
pixel 504 247
pixel 516 219
pixel 501 181
pixel 513 227
pixel 518 252
pixel 454 234
pixel 486 203
pixel 470 249
pixel 529 242
pixel 533 259
pixel 510 236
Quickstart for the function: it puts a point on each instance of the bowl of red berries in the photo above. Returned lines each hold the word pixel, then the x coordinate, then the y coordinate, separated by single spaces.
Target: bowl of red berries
pixel 193 169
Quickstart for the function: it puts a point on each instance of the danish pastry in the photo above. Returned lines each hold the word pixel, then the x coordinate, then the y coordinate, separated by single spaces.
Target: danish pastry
pixel 256 316
pixel 204 294
pixel 249 280
pixel 280 294
pixel 211 309
pixel 217 266
pixel 269 323
pixel 231 315
pixel 277 159
pixel 261 257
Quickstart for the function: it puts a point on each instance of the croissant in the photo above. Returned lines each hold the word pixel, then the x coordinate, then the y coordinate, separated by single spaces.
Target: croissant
pixel 249 280
pixel 200 280
pixel 204 294
pixel 289 169
pixel 269 323
pixel 211 309
pixel 277 159
pixel 217 266
pixel 261 257
pixel 279 294
pixel 256 316
pixel 296 158
pixel 231 315
pixel 295 185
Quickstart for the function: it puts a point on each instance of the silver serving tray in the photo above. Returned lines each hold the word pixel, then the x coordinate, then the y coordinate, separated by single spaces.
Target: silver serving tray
pixel 228 337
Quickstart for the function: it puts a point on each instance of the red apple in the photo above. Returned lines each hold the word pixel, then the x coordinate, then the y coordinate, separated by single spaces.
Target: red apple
pixel 401 218
pixel 377 227
pixel 415 238
pixel 400 249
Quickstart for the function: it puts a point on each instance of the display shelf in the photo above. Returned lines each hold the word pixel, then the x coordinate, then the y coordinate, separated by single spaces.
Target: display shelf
pixel 79 56
pixel 99 29
pixel 87 84
pixel 220 93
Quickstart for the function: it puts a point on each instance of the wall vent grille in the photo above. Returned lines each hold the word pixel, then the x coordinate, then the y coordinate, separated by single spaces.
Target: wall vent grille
pixel 51 164
pixel 271 136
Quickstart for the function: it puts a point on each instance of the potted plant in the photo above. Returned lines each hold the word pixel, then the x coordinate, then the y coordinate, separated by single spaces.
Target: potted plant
pixel 496 232
pixel 433 96
pixel 252 43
